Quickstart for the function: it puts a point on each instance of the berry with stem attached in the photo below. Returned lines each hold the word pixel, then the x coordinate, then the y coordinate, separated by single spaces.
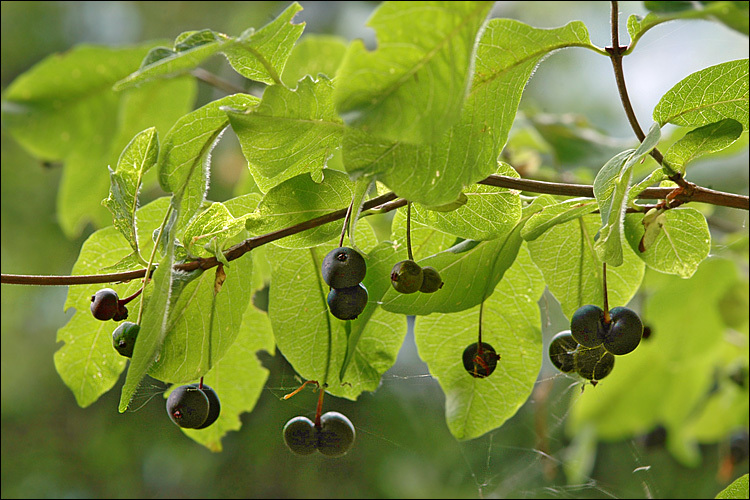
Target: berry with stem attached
pixel 335 435
pixel 480 359
pixel 624 332
pixel 343 267
pixel 105 304
pixel 188 406
pixel 407 276
pixel 588 326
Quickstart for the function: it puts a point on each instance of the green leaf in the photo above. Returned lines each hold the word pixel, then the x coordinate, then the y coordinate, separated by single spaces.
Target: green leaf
pixel 290 132
pixel 489 212
pixel 189 40
pixel 573 272
pixel 300 199
pixel 413 86
pixel 137 158
pixel 707 96
pixel 463 287
pixel 314 54
pixel 611 189
pixel 238 379
pixel 435 174
pixel 186 152
pixel 165 65
pixel 682 243
pixel 261 55
pixel 215 222
pixel 738 489
pixel 701 141
pixel 557 213
pixel 511 324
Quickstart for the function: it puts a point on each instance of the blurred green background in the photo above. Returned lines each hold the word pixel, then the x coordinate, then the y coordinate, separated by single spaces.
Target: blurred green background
pixel 51 448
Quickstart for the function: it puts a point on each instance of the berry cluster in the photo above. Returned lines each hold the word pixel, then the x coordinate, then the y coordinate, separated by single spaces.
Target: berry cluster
pixel 594 338
pixel 343 270
pixel 408 277
pixel 193 406
pixel 333 437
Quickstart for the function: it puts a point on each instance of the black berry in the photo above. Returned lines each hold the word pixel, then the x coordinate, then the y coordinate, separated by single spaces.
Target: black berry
pixel 431 281
pixel 593 363
pixel 214 405
pixel 123 338
pixel 188 406
pixel 478 362
pixel 104 304
pixel 561 351
pixel 624 332
pixel 300 436
pixel 335 435
pixel 347 303
pixel 587 326
pixel 343 267
pixel 407 276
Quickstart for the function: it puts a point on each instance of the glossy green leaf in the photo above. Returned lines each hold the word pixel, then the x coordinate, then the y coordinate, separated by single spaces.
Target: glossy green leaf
pixel 290 132
pixel 701 141
pixel 314 54
pixel 512 325
pixel 185 153
pixel 738 489
pixel 489 212
pixel 681 244
pixel 557 213
pixel 300 199
pixel 125 182
pixel 611 189
pixel 214 223
pixel 261 55
pixel 707 96
pixel 411 88
pixel 436 174
pixel 572 269
pixel 238 379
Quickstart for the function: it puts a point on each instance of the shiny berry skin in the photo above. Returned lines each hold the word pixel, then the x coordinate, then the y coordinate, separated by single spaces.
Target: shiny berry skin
pixel 343 267
pixel 407 276
pixel 335 435
pixel 188 406
pixel 347 303
pixel 123 338
pixel 214 405
pixel 587 326
pixel 625 331
pixel 561 351
pixel 104 304
pixel 431 281
pixel 480 364
pixel 300 436
pixel 593 363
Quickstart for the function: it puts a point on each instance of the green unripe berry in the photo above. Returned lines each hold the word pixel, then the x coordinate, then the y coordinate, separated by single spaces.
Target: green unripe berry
pixel 335 434
pixel 587 326
pixel 300 436
pixel 561 351
pixel 625 331
pixel 480 363
pixel 343 267
pixel 347 303
pixel 104 304
pixel 407 276
pixel 123 338
pixel 431 281
pixel 187 407
pixel 214 405
pixel 593 363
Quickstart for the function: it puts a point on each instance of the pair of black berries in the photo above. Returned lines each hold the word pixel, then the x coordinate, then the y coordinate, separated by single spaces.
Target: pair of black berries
pixel 409 277
pixel 333 437
pixel 343 270
pixel 106 305
pixel 193 406
pixel 590 346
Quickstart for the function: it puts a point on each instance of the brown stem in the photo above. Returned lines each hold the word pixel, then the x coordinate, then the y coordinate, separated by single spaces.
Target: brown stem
pixel 213 80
